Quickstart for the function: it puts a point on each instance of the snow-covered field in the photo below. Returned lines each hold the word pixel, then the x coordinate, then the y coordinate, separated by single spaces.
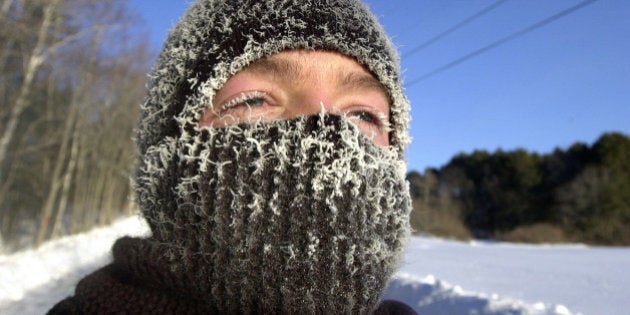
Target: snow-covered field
pixel 438 276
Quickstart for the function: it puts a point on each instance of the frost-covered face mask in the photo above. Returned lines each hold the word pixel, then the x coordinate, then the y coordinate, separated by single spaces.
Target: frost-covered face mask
pixel 291 216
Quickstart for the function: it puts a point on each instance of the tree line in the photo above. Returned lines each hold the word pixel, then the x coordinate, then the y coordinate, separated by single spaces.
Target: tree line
pixel 580 194
pixel 72 75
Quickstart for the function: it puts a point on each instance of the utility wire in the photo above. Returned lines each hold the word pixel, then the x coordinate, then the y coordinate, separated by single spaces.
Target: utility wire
pixel 500 42
pixel 453 28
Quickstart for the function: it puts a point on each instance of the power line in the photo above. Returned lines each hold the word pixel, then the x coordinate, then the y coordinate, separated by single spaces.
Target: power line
pixel 453 28
pixel 500 42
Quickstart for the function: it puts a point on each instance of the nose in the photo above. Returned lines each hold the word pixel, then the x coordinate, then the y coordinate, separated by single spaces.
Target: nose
pixel 308 103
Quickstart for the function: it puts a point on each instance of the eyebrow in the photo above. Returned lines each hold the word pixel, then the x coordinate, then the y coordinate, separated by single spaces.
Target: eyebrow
pixel 290 71
pixel 360 81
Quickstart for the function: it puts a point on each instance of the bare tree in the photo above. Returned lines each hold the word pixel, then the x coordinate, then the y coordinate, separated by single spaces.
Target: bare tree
pixel 65 139
pixel 36 58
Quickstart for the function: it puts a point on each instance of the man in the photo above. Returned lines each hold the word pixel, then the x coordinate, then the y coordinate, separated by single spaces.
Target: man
pixel 271 167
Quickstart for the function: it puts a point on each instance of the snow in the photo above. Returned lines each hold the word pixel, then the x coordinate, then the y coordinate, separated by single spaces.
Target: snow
pixel 34 280
pixel 437 276
pixel 582 279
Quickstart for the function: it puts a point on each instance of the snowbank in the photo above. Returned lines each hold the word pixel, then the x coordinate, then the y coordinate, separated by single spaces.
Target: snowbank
pixel 431 296
pixel 34 280
pixel 522 279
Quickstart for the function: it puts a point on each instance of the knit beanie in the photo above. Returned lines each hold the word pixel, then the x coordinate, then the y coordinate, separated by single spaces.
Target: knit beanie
pixel 295 216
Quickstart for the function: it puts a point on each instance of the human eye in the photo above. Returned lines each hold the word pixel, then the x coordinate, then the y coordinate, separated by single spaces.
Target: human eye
pixel 245 100
pixel 366 117
pixel 375 121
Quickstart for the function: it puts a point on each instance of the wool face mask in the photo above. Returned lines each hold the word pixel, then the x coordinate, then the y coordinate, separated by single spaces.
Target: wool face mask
pixel 293 216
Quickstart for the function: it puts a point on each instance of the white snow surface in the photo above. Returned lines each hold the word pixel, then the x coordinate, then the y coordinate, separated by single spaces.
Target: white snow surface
pixel 437 276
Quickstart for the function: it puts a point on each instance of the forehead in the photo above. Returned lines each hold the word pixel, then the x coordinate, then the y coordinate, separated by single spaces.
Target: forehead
pixel 308 58
pixel 303 66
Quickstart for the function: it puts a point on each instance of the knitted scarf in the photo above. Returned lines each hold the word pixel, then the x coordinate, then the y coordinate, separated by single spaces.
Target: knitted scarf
pixel 296 216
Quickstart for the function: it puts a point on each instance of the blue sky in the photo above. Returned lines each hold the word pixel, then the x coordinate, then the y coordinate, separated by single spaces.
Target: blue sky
pixel 565 82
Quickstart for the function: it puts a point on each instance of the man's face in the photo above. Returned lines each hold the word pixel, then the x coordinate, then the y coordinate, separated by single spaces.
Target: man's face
pixel 298 83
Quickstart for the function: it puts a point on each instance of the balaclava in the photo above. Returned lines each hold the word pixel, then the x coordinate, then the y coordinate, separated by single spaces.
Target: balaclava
pixel 296 216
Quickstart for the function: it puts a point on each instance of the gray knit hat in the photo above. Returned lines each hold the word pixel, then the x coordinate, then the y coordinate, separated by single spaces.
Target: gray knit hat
pixel 299 216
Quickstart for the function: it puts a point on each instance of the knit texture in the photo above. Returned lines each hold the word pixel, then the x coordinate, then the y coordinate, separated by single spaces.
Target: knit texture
pixel 294 216
pixel 114 290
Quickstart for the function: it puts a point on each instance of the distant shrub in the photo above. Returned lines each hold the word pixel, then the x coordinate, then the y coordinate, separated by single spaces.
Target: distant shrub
pixel 438 222
pixel 535 233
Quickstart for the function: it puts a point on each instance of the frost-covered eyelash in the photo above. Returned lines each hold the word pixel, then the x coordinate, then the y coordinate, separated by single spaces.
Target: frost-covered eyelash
pixel 241 98
pixel 382 120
